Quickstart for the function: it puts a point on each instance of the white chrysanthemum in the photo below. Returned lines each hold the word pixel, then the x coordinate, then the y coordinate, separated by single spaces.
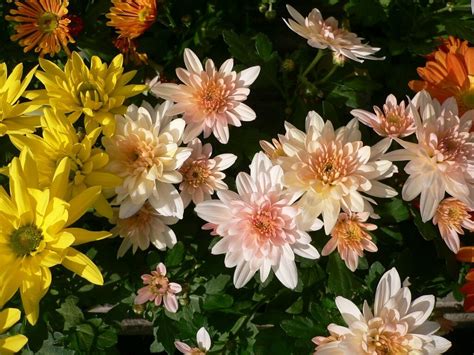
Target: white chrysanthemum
pixel 333 169
pixel 145 152
pixel 397 324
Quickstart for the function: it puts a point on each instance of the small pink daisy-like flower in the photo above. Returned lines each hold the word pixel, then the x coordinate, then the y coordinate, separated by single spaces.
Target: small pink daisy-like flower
pixel 350 237
pixel 451 217
pixel 259 225
pixel 158 289
pixel 323 34
pixel 203 340
pixel 210 99
pixel 201 174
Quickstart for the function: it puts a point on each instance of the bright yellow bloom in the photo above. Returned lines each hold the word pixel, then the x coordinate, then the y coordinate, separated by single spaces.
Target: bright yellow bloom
pixel 41 25
pixel 13 344
pixel 87 161
pixel 35 233
pixel 131 18
pixel 99 92
pixel 16 117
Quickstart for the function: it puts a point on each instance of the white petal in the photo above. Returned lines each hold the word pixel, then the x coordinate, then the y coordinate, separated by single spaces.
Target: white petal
pixel 286 272
pixel 192 62
pixel 349 311
pixel 213 211
pixel 248 76
pixel 203 339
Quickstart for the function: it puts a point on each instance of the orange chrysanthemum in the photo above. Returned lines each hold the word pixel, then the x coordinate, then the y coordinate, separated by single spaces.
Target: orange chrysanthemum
pixel 42 25
pixel 449 71
pixel 131 18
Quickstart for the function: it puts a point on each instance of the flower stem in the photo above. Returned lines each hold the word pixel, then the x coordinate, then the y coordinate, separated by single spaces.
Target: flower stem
pixel 328 75
pixel 313 63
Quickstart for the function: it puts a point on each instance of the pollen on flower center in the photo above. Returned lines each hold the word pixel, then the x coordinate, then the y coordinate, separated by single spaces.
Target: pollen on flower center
pixel 159 284
pixel 212 97
pixel 383 342
pixel 26 239
pixel 141 155
pixel 196 173
pixel 329 168
pixel 48 22
pixel 263 223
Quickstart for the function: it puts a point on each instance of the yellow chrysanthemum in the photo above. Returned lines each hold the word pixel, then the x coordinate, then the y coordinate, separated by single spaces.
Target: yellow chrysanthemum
pixel 99 92
pixel 13 344
pixel 42 25
pixel 16 117
pixel 87 161
pixel 35 233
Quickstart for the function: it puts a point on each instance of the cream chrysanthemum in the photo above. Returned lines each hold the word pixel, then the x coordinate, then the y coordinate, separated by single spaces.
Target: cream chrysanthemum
pixel 443 158
pixel 145 152
pixel 323 34
pixel 333 169
pixel 209 99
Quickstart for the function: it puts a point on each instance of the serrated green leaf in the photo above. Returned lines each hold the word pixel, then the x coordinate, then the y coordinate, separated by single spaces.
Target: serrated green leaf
pixel 341 280
pixel 217 284
pixel 175 255
pixel 221 301
pixel 299 327
pixel 71 313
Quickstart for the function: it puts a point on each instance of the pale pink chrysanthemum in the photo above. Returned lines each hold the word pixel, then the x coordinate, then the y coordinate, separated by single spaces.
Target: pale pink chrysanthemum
pixel 209 99
pixel 323 34
pixel 452 216
pixel 397 324
pixel 145 152
pixel 333 169
pixel 443 158
pixel 259 225
pixel 145 227
pixel 158 289
pixel 350 237
pixel 202 175
pixel 203 340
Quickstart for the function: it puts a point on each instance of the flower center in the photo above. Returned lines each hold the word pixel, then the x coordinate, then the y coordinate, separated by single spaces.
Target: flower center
pixel 25 239
pixel 263 223
pixel 196 174
pixel 47 22
pixel 212 97
pixel 141 156
pixel 143 14
pixel 159 284
pixel 382 342
pixel 88 93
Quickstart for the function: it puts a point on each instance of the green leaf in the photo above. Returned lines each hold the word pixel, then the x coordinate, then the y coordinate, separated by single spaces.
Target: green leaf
pixel 296 308
pixel 375 272
pixel 427 230
pixel 299 327
pixel 83 337
pixel 107 338
pixel 239 47
pixel 341 280
pixel 165 333
pixel 221 301
pixel 396 210
pixel 216 284
pixel 264 46
pixel 175 256
pixel 71 313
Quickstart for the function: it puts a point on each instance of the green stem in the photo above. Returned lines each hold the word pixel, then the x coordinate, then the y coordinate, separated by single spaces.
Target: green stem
pixel 328 75
pixel 315 61
pixel 453 8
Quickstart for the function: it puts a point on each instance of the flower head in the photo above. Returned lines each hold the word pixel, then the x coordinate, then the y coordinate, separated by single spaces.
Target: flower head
pixel 203 340
pixel 42 25
pixel 332 169
pixel 12 344
pixel 397 324
pixel 210 99
pixel 350 237
pixel 203 174
pixel 97 92
pixel 452 216
pixel 443 158
pixel 258 226
pixel 145 152
pixel 449 72
pixel 131 18
pixel 323 34
pixel 16 117
pixel 35 233
pixel 158 289
pixel 145 227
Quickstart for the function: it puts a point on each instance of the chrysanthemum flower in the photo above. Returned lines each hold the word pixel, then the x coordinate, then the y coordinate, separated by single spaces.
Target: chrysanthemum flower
pixel 468 291
pixel 42 25
pixel 87 161
pixel 448 72
pixel 128 47
pixel 452 216
pixel 131 18
pixel 202 339
pixel 203 174
pixel 16 117
pixel 145 227
pixel 397 325
pixel 11 344
pixel 258 226
pixel 158 289
pixel 35 233
pixel 145 152
pixel 332 169
pixel 98 93
pixel 443 159
pixel 350 237
pixel 323 34
pixel 210 99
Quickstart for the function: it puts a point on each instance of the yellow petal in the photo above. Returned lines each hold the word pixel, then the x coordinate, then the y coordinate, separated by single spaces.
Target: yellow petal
pixel 83 266
pixel 6 205
pixel 83 236
pixel 64 240
pixel 103 208
pixel 106 180
pixel 82 202
pixel 59 185
pixel 18 189
pixel 10 279
pixel 8 317
pixel 28 166
pixel 56 217
pixel 13 344
pixel 32 289
pixel 49 258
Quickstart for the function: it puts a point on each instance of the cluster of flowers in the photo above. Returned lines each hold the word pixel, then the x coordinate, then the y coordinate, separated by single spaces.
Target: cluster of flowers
pixel 62 173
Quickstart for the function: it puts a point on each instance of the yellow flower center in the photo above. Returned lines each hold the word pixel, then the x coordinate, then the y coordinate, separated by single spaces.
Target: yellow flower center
pixel 26 239
pixel 159 284
pixel 88 95
pixel 196 174
pixel 212 97
pixel 143 14
pixel 48 22
pixel 263 223
pixel 382 342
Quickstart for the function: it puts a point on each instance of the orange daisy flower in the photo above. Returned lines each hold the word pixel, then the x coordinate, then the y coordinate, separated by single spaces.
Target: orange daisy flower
pixel 131 18
pixel 449 71
pixel 42 25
